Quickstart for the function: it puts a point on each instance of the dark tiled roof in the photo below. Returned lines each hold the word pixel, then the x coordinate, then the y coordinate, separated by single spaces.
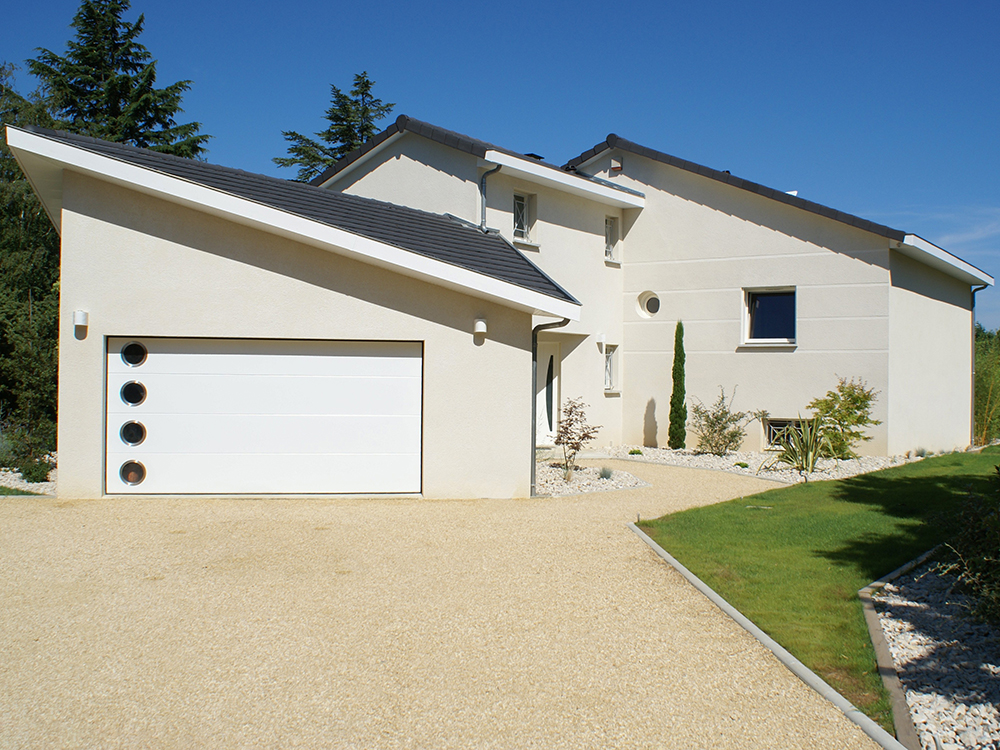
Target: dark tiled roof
pixel 613 141
pixel 442 238
pixel 450 138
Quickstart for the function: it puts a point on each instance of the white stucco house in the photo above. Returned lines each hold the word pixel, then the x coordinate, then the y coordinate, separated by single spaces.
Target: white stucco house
pixel 374 332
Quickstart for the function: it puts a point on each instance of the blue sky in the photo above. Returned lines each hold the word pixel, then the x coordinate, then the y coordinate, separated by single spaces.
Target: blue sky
pixel 887 110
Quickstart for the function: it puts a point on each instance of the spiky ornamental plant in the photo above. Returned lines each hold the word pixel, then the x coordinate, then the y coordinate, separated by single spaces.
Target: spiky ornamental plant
pixel 352 122
pixel 677 431
pixel 105 85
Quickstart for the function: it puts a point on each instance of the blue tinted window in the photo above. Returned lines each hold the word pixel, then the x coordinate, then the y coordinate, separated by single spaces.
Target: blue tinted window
pixel 772 315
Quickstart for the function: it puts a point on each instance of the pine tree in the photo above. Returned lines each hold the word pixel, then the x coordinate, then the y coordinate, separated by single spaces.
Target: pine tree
pixel 105 85
pixel 677 432
pixel 352 121
pixel 29 292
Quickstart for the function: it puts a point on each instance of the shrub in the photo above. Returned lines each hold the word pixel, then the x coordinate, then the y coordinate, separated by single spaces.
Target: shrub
pixel 742 464
pixel 606 473
pixel 977 550
pixel 677 431
pixel 987 390
pixel 719 428
pixel 801 445
pixel 20 446
pixel 574 432
pixel 844 413
pixel 635 452
pixel 34 470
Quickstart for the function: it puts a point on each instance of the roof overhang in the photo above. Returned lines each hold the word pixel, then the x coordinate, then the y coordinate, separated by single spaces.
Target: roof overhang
pixel 936 257
pixel 566 182
pixel 44 160
pixel 363 159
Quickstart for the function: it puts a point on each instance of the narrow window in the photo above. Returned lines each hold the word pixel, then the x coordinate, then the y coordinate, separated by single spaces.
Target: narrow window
pixel 773 429
pixel 610 362
pixel 771 315
pixel 521 222
pixel 610 237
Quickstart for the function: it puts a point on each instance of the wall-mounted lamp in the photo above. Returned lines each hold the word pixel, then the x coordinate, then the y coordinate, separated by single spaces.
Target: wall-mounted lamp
pixel 480 327
pixel 81 318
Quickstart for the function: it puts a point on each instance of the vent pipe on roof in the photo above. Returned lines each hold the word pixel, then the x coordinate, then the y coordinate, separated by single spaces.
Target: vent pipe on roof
pixel 482 196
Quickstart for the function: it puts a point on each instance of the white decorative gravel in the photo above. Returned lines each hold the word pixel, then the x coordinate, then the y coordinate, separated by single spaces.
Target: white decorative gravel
pixel 550 480
pixel 12 479
pixel 948 663
pixel 827 468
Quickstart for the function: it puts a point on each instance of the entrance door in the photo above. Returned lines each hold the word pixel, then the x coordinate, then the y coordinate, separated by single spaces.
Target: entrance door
pixel 547 394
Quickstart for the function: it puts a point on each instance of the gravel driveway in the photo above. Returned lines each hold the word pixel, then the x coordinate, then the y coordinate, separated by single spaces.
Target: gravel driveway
pixel 233 623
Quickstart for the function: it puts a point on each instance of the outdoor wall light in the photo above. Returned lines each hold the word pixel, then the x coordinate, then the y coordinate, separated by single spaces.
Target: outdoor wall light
pixel 479 328
pixel 81 318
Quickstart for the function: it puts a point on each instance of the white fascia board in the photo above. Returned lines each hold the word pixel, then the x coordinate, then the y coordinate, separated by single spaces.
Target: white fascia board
pixel 54 156
pixel 564 181
pixel 936 257
pixel 363 159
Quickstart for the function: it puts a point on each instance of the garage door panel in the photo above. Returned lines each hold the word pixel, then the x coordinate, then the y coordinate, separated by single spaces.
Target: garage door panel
pixel 272 475
pixel 266 434
pixel 269 394
pixel 230 416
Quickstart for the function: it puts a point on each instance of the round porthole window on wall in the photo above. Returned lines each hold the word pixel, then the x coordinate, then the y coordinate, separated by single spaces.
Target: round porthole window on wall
pixel 133 354
pixel 649 304
pixel 133 433
pixel 133 393
pixel 132 472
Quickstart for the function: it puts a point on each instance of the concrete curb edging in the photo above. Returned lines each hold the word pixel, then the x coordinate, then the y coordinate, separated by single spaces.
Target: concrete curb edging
pixel 810 678
pixel 886 666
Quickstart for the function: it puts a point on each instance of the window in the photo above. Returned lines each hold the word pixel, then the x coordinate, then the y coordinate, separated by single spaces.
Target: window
pixel 610 238
pixel 610 367
pixel 649 304
pixel 522 218
pixel 770 316
pixel 774 427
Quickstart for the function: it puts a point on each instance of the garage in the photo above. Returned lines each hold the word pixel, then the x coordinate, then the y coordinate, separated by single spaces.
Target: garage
pixel 251 416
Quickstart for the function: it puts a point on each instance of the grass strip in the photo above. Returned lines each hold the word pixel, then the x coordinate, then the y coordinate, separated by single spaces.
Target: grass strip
pixel 792 559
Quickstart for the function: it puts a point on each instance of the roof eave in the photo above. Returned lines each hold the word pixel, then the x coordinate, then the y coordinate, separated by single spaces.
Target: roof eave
pixel 936 257
pixel 44 160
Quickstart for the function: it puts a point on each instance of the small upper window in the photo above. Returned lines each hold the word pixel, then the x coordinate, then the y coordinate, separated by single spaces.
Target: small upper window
pixel 610 238
pixel 610 367
pixel 771 316
pixel 522 219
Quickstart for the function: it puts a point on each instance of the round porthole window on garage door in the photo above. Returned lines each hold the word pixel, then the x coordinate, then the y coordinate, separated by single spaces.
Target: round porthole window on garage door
pixel 133 393
pixel 132 472
pixel 133 433
pixel 133 354
pixel 649 304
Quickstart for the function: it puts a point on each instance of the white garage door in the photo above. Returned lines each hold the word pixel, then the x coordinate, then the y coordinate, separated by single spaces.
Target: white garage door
pixel 238 416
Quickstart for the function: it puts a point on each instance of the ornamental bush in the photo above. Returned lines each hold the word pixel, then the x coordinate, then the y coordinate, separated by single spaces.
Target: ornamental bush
pixel 574 432
pixel 843 415
pixel 719 428
pixel 677 432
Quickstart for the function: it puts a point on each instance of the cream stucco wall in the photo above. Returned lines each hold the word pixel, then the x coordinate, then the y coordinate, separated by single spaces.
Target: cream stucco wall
pixel 144 267
pixel 930 359
pixel 567 242
pixel 699 244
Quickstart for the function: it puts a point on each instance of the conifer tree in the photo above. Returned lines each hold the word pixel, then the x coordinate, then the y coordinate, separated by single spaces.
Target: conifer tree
pixel 105 85
pixel 352 121
pixel 677 432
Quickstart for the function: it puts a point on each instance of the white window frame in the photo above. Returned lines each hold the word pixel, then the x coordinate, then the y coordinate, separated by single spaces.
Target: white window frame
pixel 612 238
pixel 770 431
pixel 524 232
pixel 748 294
pixel 611 374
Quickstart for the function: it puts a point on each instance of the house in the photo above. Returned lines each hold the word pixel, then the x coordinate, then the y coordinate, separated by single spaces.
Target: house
pixel 393 327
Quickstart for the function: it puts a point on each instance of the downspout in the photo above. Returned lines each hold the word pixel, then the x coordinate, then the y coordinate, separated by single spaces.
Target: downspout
pixel 972 421
pixel 482 196
pixel 534 381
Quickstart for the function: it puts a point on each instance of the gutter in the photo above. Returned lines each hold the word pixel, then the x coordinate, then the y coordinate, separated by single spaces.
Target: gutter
pixel 482 196
pixel 534 381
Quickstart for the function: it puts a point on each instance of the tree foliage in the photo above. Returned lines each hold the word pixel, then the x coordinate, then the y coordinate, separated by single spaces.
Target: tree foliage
pixel 677 431
pixel 987 397
pixel 352 119
pixel 104 86
pixel 574 433
pixel 843 415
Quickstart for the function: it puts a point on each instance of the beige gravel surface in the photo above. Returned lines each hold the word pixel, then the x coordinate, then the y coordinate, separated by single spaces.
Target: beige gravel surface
pixel 339 623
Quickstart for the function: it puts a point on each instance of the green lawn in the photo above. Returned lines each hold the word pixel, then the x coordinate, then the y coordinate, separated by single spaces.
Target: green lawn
pixel 793 559
pixel 9 491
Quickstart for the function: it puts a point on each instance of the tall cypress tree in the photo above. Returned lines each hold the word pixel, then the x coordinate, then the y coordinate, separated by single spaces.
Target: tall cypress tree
pixel 677 432
pixel 105 85
pixel 352 121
